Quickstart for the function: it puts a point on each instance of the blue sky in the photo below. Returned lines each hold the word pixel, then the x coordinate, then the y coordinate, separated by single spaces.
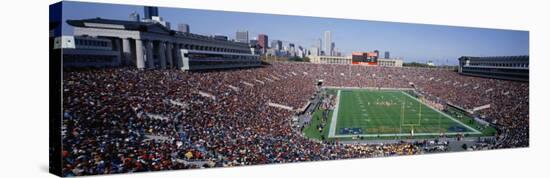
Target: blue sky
pixel 412 42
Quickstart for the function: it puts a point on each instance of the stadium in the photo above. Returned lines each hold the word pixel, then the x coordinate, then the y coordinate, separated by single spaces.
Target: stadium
pixel 137 96
pixel 129 120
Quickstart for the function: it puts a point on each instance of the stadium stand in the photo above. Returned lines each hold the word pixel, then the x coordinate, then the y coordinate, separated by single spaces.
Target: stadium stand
pixel 129 120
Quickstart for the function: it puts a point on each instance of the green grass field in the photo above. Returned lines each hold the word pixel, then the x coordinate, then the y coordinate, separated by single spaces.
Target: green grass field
pixel 385 113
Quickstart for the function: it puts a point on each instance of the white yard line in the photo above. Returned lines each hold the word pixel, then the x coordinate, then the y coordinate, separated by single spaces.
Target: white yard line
pixel 403 134
pixel 332 130
pixel 446 115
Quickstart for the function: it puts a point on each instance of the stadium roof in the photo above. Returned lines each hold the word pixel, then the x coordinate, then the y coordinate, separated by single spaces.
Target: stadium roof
pixel 128 25
pixel 142 26
pixel 524 57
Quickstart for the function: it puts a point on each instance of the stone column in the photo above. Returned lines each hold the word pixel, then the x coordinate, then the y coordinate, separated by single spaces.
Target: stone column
pixel 162 54
pixel 169 54
pixel 126 51
pixel 150 60
pixel 140 62
pixel 118 60
pixel 179 58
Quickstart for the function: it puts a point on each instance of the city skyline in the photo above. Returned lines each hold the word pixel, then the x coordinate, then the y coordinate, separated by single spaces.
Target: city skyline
pixel 412 42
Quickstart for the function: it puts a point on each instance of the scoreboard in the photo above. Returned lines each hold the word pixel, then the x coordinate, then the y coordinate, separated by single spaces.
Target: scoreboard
pixel 364 58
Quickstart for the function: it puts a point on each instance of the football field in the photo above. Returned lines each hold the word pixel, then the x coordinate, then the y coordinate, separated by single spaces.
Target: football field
pixel 383 113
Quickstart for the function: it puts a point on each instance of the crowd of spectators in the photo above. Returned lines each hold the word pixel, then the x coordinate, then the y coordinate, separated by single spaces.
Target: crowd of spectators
pixel 508 100
pixel 129 120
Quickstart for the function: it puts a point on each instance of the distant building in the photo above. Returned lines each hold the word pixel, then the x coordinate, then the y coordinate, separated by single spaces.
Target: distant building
pixel 499 67
pixel 332 49
pixel 387 54
pixel 159 20
pixel 272 52
pixel 377 53
pixel 328 43
pixel 292 49
pixel 242 36
pixel 162 22
pixel 314 51
pixel 262 41
pixel 277 45
pixel 150 12
pixel 291 46
pixel 134 16
pixel 330 59
pixel 385 62
pixel 152 15
pixel 254 43
pixel 184 28
pixel 301 52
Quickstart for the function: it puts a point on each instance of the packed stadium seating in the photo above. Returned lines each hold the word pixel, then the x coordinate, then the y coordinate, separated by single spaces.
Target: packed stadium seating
pixel 129 120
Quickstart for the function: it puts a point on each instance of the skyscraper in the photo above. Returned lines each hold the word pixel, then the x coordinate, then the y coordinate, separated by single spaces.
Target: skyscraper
pixel 377 54
pixel 328 43
pixel 319 43
pixel 332 49
pixel 277 44
pixel 150 12
pixel 262 41
pixel 184 28
pixel 291 49
pixel 242 36
pixel 387 55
